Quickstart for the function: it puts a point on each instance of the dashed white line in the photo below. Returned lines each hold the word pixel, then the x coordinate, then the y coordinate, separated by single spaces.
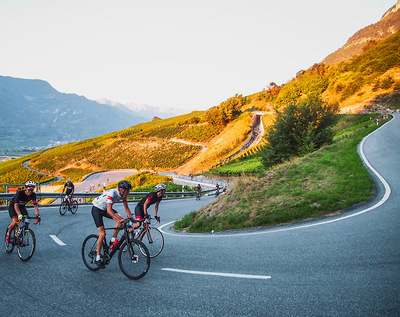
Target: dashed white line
pixel 259 277
pixel 56 240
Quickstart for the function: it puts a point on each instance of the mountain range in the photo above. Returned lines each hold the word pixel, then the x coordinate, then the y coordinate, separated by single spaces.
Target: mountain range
pixel 35 116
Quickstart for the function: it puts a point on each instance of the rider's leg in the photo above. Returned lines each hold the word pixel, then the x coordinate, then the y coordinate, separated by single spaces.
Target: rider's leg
pixel 12 225
pixel 102 235
pixel 115 234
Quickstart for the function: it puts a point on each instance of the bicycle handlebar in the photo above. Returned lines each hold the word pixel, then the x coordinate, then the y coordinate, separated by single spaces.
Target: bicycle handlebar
pixel 28 217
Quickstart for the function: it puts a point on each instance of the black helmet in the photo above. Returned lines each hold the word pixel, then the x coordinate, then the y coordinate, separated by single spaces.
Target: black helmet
pixel 125 185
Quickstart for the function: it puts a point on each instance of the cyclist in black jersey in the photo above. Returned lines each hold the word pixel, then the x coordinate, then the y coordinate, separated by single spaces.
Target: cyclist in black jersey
pixel 150 199
pixel 17 207
pixel 69 192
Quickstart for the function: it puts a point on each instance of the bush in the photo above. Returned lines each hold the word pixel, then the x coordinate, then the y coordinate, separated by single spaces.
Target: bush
pixel 301 128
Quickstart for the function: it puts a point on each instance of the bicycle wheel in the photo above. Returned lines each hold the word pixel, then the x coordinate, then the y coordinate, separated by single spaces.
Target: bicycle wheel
pixel 132 262
pixel 74 206
pixel 26 244
pixel 9 246
pixel 154 241
pixel 89 252
pixel 63 208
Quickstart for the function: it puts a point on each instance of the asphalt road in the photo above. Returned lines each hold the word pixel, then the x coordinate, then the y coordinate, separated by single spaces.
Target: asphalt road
pixel 339 266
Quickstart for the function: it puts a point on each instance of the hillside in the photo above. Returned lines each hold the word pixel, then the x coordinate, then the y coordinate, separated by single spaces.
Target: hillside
pixel 35 115
pixel 198 141
pixel 368 36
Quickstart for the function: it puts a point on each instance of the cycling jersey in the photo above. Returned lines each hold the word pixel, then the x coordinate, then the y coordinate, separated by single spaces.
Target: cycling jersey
pixel 21 198
pixel 70 188
pixel 152 198
pixel 111 196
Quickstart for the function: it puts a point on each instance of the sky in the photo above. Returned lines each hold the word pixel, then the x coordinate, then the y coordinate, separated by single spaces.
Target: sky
pixel 177 54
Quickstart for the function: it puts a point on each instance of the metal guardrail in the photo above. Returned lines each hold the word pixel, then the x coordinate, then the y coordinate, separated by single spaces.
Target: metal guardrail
pixel 168 195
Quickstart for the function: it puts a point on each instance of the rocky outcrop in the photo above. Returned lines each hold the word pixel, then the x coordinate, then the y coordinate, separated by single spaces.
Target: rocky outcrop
pixel 388 25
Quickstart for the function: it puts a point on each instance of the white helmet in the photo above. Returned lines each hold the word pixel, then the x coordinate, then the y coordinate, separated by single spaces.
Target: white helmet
pixel 30 184
pixel 160 186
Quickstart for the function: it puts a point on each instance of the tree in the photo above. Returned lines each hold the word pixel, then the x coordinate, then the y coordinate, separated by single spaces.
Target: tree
pixel 300 128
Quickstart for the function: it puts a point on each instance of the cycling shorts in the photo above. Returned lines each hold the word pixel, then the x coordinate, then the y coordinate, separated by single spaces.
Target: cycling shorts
pixel 98 215
pixel 139 212
pixel 13 213
pixel 68 192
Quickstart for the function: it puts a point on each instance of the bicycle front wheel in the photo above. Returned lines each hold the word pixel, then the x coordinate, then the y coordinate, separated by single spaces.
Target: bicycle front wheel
pixel 26 244
pixel 9 246
pixel 74 206
pixel 154 241
pixel 132 262
pixel 63 208
pixel 89 252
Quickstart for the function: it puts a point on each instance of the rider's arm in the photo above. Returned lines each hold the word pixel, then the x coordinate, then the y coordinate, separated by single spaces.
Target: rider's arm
pixel 127 210
pixel 36 209
pixel 146 204
pixel 115 216
pixel 16 208
pixel 156 209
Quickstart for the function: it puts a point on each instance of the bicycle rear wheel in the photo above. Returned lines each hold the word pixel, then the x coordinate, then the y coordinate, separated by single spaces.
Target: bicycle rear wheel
pixel 132 262
pixel 154 241
pixel 89 252
pixel 74 206
pixel 26 244
pixel 9 246
pixel 63 208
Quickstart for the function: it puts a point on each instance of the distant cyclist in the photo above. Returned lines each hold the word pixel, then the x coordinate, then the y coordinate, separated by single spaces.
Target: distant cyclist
pixel 217 188
pixel 103 207
pixel 69 192
pixel 150 199
pixel 17 207
pixel 198 190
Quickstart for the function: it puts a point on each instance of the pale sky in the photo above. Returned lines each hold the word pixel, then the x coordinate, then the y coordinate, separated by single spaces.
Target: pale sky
pixel 184 54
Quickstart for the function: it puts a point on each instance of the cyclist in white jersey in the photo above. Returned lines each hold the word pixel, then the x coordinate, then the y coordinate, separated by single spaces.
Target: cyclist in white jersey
pixel 102 207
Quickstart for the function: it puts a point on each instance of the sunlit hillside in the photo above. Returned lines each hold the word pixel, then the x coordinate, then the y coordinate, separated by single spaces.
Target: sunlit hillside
pixel 196 142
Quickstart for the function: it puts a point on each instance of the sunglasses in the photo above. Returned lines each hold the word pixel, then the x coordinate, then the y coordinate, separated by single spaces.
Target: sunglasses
pixel 30 189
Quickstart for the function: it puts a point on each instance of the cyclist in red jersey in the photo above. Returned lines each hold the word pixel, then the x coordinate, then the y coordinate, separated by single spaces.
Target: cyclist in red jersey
pixel 17 207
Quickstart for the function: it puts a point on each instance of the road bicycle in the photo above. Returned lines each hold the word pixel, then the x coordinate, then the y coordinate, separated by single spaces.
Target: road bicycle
pixel 66 205
pixel 133 256
pixel 198 195
pixel 151 237
pixel 24 238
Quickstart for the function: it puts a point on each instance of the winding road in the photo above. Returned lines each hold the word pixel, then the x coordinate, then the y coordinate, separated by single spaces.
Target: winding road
pixel 348 265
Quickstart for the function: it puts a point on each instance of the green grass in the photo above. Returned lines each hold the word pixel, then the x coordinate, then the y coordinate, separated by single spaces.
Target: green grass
pixel 323 182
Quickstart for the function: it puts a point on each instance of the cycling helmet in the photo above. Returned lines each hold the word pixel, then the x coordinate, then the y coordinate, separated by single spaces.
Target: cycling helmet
pixel 69 180
pixel 125 185
pixel 160 186
pixel 30 184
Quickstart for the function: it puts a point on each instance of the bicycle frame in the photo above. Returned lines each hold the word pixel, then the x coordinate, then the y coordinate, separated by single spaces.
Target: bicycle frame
pixel 24 226
pixel 144 227
pixel 106 248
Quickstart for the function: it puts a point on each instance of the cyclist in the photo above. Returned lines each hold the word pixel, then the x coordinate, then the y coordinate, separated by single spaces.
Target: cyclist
pixel 150 199
pixel 17 207
pixel 69 192
pixel 217 190
pixel 198 190
pixel 103 207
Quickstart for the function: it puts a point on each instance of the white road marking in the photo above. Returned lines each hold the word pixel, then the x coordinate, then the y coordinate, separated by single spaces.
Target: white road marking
pixel 379 203
pixel 56 240
pixel 259 277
